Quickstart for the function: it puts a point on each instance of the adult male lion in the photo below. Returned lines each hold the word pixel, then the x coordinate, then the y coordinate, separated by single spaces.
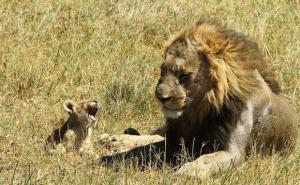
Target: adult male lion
pixel 220 99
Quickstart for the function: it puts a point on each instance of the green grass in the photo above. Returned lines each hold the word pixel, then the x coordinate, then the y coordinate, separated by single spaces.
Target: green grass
pixel 110 50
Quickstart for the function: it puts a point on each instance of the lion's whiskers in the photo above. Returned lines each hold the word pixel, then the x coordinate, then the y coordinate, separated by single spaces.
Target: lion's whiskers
pixel 188 101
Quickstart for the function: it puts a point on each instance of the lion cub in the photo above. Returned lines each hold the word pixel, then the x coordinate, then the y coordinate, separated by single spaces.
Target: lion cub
pixel 75 133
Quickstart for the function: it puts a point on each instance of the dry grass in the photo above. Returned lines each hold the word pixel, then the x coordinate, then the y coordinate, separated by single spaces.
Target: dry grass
pixel 110 50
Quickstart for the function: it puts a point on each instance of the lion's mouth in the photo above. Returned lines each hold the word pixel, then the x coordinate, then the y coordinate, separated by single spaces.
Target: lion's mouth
pixel 170 113
pixel 175 112
pixel 188 101
pixel 92 110
pixel 179 105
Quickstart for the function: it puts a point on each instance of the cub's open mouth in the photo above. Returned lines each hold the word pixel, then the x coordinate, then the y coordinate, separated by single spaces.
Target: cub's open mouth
pixel 92 110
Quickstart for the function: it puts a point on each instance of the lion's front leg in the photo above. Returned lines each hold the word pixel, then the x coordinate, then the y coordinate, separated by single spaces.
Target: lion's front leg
pixel 208 165
pixel 124 142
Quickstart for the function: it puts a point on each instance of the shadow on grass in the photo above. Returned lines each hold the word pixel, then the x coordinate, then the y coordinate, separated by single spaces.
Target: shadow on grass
pixel 155 155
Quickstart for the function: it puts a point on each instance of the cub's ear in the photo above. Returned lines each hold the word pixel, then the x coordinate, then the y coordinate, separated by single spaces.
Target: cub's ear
pixel 69 106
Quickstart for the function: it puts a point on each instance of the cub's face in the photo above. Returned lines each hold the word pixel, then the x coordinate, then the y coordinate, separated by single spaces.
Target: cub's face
pixel 184 74
pixel 83 111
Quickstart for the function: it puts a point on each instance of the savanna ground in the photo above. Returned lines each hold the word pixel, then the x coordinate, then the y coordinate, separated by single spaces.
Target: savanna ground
pixel 110 50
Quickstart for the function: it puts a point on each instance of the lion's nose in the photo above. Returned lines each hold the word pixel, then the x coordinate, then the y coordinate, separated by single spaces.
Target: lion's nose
pixel 160 97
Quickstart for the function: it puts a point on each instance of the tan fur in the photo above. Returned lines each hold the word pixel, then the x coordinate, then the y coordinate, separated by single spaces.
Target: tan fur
pixel 125 142
pixel 221 101
pixel 75 133
pixel 231 57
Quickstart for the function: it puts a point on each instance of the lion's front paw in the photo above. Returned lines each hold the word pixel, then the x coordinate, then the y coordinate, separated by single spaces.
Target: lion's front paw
pixel 193 170
pixel 116 143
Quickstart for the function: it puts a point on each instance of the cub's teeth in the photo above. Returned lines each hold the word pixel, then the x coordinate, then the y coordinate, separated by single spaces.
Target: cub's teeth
pixel 92 117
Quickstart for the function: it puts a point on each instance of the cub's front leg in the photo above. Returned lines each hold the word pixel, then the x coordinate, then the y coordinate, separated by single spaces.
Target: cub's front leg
pixel 86 146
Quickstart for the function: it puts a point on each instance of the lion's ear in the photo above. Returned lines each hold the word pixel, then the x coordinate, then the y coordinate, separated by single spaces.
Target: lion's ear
pixel 69 106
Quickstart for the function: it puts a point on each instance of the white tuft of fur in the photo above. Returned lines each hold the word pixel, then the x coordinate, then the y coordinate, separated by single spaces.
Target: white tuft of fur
pixel 173 114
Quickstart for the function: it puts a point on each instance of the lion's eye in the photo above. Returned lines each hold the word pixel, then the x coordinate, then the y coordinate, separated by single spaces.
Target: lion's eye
pixel 184 77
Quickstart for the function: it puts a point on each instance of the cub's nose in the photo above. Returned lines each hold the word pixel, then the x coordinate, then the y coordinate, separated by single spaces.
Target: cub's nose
pixel 97 104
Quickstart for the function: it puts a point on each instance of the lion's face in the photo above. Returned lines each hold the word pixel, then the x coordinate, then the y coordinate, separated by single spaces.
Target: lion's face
pixel 83 111
pixel 184 74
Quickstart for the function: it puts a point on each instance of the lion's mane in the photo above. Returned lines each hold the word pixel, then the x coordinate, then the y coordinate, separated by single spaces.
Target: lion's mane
pixel 232 57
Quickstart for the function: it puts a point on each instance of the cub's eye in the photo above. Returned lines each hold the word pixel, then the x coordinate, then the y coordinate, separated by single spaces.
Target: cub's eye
pixel 184 77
